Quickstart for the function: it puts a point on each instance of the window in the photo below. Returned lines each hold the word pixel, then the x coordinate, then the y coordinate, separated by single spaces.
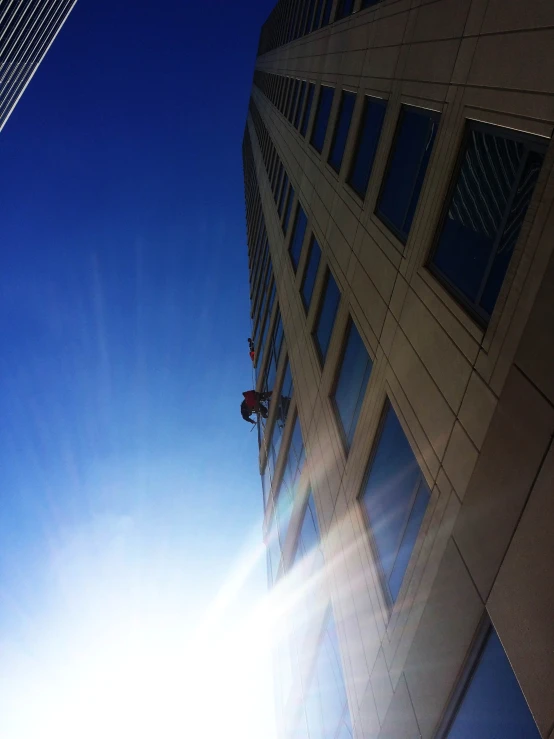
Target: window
pixel 326 704
pixel 297 239
pixel 284 191
pixel 344 8
pixel 326 317
pixel 494 184
pixel 309 538
pixel 322 117
pixel 369 3
pixel 406 168
pixel 327 13
pixel 288 209
pixel 369 132
pixel 289 484
pixel 290 87
pixel 317 15
pixel 492 704
pixel 351 384
pixel 348 100
pixel 395 498
pixel 294 100
pixel 307 109
pixel 301 98
pixel 310 273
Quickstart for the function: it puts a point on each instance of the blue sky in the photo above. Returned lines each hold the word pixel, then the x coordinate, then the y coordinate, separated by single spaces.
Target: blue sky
pixel 128 479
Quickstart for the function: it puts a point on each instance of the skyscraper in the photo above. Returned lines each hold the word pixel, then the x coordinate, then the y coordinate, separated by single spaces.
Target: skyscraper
pixel 27 29
pixel 399 184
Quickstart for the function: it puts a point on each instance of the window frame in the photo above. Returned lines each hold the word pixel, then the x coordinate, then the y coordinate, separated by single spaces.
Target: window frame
pixel 367 101
pixel 343 97
pixel 323 357
pixel 313 240
pixel 433 115
pixel 533 143
pixel 322 91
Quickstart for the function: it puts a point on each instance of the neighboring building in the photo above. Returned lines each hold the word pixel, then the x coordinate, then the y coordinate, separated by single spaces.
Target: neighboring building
pixel 399 189
pixel 27 29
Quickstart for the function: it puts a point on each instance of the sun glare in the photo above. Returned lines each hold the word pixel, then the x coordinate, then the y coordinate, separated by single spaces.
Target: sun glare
pixel 114 661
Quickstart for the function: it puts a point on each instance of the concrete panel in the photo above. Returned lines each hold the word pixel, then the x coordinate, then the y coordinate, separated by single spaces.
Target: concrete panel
pixel 518 437
pixel 460 459
pixel 521 603
pixel 445 632
pixel 440 20
pixel 400 722
pixel 382 686
pixel 477 409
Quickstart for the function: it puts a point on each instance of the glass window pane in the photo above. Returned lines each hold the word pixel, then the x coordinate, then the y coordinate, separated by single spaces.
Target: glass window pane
pixel 322 117
pixel 340 137
pixel 310 274
pixel 344 8
pixel 408 161
pixel 284 191
pixel 493 705
pixel 308 109
pixel 300 104
pixel 494 186
pixel 297 238
pixel 327 12
pixel 326 319
pixel 371 124
pixel 354 373
pixel 288 209
pixel 395 497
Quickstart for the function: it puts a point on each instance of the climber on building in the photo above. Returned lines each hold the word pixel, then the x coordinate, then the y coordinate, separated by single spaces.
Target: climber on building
pixel 252 403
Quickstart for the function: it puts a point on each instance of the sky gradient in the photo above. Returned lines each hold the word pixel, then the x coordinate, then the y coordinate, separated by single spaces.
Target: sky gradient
pixel 129 483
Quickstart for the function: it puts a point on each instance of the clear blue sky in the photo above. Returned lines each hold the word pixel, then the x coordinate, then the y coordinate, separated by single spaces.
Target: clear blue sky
pixel 128 479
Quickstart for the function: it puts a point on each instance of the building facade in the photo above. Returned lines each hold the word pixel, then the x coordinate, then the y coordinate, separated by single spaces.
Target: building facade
pixel 27 29
pixel 399 185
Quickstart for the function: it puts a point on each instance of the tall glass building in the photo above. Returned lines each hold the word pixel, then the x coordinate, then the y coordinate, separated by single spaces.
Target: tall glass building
pixel 27 29
pixel 399 184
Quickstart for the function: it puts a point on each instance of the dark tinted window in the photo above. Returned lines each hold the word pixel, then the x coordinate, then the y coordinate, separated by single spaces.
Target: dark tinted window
pixel 411 151
pixel 395 498
pixel 369 132
pixel 322 117
pixel 348 100
pixel 494 185
pixel 294 101
pixel 284 192
pixel 297 238
pixel 310 274
pixel 326 318
pixel 288 209
pixel 317 15
pixel 493 705
pixel 353 376
pixel 307 109
pixel 300 107
pixel 369 3
pixel 326 17
pixel 344 8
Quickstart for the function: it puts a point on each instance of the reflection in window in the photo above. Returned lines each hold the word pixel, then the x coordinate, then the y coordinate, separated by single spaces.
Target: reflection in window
pixel 348 100
pixel 307 109
pixel 297 239
pixel 326 704
pixel 395 497
pixel 492 704
pixel 300 107
pixel 406 168
pixel 322 117
pixel 310 273
pixel 289 484
pixel 353 376
pixel 288 209
pixel 344 8
pixel 327 313
pixel 494 186
pixel 369 132
pixel 309 537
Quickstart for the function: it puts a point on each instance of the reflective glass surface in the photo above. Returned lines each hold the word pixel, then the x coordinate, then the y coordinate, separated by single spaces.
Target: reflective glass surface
pixel 408 161
pixel 371 124
pixel 297 239
pixel 322 117
pixel 326 319
pixel 291 477
pixel 395 497
pixel 354 373
pixel 309 537
pixel 307 109
pixel 310 273
pixel 300 107
pixel 342 127
pixel 327 12
pixel 326 704
pixel 288 209
pixel 294 100
pixel 493 706
pixel 344 8
pixel 494 186
pixel 284 192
